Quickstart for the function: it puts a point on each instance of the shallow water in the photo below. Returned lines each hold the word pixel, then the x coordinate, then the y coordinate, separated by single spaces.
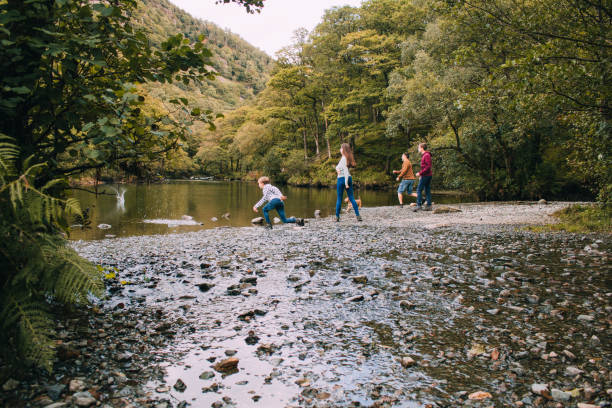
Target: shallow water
pixel 165 205
pixel 450 298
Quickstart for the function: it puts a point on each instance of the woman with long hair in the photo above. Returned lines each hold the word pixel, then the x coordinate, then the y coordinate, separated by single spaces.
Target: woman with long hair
pixel 345 181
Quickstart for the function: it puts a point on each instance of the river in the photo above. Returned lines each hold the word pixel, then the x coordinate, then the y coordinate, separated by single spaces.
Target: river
pixel 149 209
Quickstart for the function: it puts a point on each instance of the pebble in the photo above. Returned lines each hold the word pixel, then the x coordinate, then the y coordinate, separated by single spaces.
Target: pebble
pixel 572 371
pixel 559 395
pixel 207 375
pixel 83 399
pixel 180 385
pixel 407 362
pixel 76 385
pixel 539 388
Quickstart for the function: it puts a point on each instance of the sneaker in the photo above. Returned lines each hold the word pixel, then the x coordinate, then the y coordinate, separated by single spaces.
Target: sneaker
pixel 417 208
pixel 427 208
pixel 300 222
pixel 337 219
pixel 359 218
pixel 401 205
pixel 268 226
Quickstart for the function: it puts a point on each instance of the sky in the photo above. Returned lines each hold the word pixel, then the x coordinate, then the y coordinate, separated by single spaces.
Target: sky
pixel 269 30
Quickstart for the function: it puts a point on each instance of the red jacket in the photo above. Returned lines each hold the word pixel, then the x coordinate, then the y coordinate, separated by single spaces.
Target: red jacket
pixel 426 165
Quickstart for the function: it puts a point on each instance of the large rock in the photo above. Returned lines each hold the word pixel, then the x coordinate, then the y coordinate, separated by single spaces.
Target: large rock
pixel 445 210
pixel 258 220
pixel 227 366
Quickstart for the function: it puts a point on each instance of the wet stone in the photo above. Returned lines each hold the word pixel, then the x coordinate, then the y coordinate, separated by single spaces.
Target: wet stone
pixel 361 279
pixel 206 375
pixel 180 385
pixel 227 366
pixel 55 391
pixel 204 287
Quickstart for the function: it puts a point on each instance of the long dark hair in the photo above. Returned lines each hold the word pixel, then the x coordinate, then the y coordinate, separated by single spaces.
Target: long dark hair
pixel 348 153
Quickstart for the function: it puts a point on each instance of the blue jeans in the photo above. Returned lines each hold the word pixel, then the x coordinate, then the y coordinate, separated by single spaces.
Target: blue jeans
pixel 424 183
pixel 340 187
pixel 278 205
pixel 405 185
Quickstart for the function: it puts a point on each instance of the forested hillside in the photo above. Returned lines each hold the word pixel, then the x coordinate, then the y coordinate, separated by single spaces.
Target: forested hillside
pixel 241 71
pixel 513 98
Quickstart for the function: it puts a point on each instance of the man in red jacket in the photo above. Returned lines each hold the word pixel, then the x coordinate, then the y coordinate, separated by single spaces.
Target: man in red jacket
pixel 425 178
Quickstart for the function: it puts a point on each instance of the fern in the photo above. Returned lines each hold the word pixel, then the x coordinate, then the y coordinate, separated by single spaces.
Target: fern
pixel 36 265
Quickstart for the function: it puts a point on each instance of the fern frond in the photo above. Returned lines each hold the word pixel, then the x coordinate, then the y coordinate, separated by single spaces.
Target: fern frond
pixel 74 276
pixel 73 207
pixel 32 322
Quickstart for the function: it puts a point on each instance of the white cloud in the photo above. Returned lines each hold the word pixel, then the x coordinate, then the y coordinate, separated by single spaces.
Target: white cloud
pixel 269 30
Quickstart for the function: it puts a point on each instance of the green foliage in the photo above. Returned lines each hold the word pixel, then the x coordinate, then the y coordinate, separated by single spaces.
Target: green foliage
pixel 581 219
pixel 73 100
pixel 512 96
pixel 37 266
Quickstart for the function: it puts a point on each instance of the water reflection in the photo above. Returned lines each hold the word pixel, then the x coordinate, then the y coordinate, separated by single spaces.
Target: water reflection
pixel 206 202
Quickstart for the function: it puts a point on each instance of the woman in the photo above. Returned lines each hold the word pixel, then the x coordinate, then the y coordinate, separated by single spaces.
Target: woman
pixel 345 181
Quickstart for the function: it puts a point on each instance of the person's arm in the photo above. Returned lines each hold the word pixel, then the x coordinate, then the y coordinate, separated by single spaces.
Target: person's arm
pixel 404 170
pixel 266 191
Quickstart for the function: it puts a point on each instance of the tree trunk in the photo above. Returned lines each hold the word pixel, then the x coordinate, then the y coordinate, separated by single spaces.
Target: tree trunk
pixel 316 137
pixel 326 135
pixel 305 145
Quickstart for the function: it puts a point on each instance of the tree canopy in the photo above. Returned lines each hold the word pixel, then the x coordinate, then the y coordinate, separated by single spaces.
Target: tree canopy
pixel 512 96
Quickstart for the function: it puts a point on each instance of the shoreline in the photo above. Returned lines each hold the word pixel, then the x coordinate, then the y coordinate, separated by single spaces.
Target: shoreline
pixel 437 305
pixel 486 213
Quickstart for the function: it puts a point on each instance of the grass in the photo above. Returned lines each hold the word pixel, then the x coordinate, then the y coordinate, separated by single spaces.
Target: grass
pixel 581 219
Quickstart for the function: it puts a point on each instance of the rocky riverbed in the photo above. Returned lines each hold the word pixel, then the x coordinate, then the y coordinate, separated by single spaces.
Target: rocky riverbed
pixel 402 310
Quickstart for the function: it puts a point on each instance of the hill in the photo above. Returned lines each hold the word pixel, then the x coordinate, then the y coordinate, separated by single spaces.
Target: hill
pixel 243 70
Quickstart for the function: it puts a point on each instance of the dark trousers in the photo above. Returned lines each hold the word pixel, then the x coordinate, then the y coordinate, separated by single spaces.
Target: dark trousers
pixel 340 187
pixel 278 205
pixel 424 184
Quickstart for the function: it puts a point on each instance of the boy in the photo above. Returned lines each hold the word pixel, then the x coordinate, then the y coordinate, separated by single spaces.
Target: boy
pixel 407 176
pixel 273 197
pixel 425 178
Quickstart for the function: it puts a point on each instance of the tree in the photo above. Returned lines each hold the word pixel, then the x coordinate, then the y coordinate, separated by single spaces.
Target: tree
pixel 69 75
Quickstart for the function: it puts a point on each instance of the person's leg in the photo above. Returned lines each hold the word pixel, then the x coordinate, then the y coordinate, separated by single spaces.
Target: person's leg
pixel 351 198
pixel 428 190
pixel 267 208
pixel 400 191
pixel 410 186
pixel 419 192
pixel 280 209
pixel 340 192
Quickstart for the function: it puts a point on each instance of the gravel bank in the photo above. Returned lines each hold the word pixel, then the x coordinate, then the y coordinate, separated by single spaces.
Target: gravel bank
pixel 380 313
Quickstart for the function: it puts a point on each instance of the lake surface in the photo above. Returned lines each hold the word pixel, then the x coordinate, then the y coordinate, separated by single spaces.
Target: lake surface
pixel 161 208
